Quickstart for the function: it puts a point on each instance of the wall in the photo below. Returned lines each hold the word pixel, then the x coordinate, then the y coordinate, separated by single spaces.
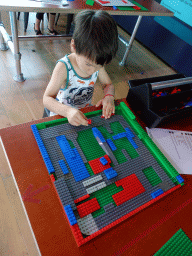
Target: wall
pixel 163 43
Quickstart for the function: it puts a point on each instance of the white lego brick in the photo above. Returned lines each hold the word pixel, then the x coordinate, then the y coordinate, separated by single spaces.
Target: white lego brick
pixel 92 180
pixel 96 187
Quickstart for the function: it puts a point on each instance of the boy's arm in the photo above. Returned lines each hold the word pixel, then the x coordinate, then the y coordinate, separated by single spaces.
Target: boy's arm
pixel 109 92
pixel 58 78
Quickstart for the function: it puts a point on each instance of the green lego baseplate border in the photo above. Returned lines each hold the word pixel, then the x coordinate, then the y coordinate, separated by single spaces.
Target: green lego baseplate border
pixel 122 109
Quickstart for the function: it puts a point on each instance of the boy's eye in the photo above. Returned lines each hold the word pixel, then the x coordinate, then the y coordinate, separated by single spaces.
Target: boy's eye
pixel 88 64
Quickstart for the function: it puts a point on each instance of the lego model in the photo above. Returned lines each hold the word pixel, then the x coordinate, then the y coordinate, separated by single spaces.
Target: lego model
pixel 105 172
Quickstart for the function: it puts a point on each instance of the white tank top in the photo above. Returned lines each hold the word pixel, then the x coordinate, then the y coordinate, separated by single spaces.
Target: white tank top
pixel 78 91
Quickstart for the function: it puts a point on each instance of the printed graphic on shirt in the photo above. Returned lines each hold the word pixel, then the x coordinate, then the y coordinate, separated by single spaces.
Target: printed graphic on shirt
pixel 79 96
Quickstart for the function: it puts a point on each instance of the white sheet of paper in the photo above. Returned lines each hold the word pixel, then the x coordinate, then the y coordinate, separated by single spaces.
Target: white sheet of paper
pixel 54 2
pixel 115 3
pixel 176 146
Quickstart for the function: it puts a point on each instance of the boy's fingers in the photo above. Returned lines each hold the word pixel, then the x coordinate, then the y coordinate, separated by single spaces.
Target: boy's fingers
pixel 109 112
pixel 104 111
pixel 83 120
pixel 98 103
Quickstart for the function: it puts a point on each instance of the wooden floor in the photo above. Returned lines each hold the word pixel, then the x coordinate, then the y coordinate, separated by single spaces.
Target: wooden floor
pixel 22 102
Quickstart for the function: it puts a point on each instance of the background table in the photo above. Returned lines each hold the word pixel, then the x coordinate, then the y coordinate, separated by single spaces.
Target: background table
pixel 154 9
pixel 142 234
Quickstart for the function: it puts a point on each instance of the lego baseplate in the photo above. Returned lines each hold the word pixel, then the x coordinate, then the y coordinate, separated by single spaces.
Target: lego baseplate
pixel 105 172
pixel 178 245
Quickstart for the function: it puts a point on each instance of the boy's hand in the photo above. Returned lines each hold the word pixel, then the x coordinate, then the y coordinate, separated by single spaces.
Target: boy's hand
pixel 76 117
pixel 108 106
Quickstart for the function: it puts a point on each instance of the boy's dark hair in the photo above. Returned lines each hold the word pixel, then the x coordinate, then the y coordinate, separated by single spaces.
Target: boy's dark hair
pixel 95 36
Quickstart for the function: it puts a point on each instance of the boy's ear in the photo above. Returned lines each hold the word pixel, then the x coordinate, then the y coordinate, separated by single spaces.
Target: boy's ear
pixel 72 45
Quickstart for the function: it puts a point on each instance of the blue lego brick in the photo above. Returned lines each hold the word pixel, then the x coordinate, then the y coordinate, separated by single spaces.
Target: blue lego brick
pixel 111 144
pixel 63 167
pixel 119 136
pixel 132 141
pixel 70 215
pixel 157 193
pixel 110 173
pixel 42 149
pixel 76 163
pixel 65 146
pixel 129 132
pixel 103 160
pixel 129 136
pixel 98 134
pixel 180 179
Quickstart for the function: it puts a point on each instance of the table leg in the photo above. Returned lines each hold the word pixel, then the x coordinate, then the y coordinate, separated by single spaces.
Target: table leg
pixel 3 45
pixel 17 55
pixel 128 47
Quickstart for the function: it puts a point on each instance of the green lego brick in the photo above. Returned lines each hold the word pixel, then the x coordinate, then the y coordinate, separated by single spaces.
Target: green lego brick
pixel 178 245
pixel 122 143
pixel 51 123
pixel 152 176
pixel 104 197
pixel 89 145
pixel 71 144
pixel 89 169
pixel 154 150
pixel 96 151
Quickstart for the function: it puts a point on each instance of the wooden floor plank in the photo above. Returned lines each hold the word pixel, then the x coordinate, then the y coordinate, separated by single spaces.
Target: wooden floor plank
pixel 11 238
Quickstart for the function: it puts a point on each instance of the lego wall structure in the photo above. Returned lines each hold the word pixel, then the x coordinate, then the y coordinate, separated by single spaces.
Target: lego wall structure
pixel 105 172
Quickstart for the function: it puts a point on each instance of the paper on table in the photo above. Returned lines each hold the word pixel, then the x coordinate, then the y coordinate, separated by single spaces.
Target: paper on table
pixel 176 146
pixel 54 2
pixel 115 3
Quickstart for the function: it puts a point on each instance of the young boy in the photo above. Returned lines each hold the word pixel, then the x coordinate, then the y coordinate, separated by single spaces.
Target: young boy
pixel 94 44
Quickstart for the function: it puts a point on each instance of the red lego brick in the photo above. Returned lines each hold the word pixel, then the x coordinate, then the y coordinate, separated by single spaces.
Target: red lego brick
pixel 136 7
pixel 102 117
pixel 89 121
pixel 52 177
pixel 132 187
pixel 77 234
pixel 83 241
pixel 81 198
pixel 97 166
pixel 88 207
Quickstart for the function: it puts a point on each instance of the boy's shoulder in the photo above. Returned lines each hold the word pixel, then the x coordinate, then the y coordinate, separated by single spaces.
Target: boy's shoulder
pixel 64 58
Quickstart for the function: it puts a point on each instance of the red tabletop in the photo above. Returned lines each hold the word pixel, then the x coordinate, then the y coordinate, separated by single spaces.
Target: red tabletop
pixel 141 234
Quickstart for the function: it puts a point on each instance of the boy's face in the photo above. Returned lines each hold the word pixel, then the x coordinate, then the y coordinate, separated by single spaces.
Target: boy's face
pixel 87 66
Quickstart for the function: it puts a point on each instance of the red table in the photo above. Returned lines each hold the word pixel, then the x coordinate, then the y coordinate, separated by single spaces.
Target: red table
pixel 142 234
